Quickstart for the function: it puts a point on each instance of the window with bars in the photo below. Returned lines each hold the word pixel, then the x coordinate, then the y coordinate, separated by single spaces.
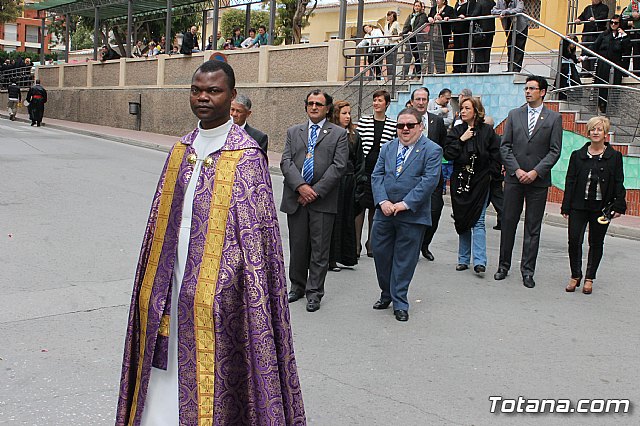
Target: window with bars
pixel 532 8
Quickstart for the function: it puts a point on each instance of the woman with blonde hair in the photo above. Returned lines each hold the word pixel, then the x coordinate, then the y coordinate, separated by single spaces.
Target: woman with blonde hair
pixel 594 194
pixel 474 148
pixel 343 241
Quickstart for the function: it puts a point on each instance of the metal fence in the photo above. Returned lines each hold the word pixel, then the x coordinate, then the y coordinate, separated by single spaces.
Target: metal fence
pixel 23 77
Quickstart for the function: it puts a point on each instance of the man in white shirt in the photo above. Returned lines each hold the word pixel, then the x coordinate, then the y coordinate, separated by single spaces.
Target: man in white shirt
pixel 441 106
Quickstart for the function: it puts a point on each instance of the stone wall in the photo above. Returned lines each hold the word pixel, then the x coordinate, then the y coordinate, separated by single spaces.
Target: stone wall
pixel 167 110
pixel 141 73
pixel 75 76
pixel 287 65
pixel 106 74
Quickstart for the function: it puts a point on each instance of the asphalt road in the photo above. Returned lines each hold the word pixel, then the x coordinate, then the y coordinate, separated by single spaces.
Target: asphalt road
pixel 72 215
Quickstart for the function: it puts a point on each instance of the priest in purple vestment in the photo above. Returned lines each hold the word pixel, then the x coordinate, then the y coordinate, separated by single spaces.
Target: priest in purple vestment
pixel 209 339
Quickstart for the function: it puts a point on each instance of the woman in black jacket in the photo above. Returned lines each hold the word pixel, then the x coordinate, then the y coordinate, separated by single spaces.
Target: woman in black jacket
pixel 463 8
pixel 568 75
pixel 594 186
pixel 612 44
pixel 440 14
pixel 413 22
pixel 474 149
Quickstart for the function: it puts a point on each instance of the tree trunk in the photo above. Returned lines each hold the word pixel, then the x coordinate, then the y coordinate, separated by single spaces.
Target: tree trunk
pixel 300 18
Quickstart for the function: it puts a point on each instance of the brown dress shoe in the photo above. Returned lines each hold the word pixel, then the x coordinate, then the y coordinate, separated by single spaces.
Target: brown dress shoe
pixel 573 283
pixel 588 286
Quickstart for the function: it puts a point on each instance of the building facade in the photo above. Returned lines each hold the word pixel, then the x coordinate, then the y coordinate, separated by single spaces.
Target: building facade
pixel 23 35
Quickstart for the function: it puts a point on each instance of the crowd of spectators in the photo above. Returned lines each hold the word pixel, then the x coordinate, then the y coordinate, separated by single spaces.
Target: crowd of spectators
pixel 19 70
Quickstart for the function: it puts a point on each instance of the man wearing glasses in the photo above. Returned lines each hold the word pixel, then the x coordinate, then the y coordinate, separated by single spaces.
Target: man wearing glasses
pixel 531 145
pixel 407 172
pixel 314 159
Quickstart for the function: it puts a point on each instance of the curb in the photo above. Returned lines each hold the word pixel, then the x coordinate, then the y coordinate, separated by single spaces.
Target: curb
pixel 553 219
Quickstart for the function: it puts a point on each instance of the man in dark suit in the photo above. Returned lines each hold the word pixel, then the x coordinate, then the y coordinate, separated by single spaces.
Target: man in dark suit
pixel 240 111
pixel 435 130
pixel 406 173
pixel 530 146
pixel 314 159
pixel 190 42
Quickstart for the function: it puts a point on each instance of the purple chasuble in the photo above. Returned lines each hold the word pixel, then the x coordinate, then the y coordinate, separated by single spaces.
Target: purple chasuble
pixel 255 379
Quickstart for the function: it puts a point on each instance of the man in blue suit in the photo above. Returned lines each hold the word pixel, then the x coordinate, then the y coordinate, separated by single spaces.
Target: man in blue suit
pixel 407 172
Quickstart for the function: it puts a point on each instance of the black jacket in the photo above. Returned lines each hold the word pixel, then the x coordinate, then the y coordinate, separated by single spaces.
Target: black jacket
pixel 447 12
pixel 420 20
pixel 37 90
pixel 598 11
pixel 611 177
pixel 470 8
pixel 14 92
pixel 189 42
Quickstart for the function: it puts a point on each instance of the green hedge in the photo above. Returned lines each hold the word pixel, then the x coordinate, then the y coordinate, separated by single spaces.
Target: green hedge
pixel 35 57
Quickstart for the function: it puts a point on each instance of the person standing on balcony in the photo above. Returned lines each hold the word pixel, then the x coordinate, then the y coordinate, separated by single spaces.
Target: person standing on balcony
pixel 392 36
pixel 461 34
pixel 237 38
pixel 506 9
pixel 373 41
pixel 530 147
pixel 482 48
pixel 262 39
pixel 612 44
pixel 414 21
pixel 594 20
pixel 440 14
pixel 632 15
pixel 190 42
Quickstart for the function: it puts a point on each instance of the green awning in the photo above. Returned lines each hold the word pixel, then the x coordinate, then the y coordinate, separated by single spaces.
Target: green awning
pixel 111 9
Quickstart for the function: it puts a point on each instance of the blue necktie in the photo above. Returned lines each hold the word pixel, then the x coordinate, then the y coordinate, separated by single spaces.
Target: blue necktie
pixel 307 167
pixel 400 159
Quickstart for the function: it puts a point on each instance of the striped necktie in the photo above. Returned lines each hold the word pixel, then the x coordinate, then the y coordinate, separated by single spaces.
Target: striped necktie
pixel 400 159
pixel 307 166
pixel 532 120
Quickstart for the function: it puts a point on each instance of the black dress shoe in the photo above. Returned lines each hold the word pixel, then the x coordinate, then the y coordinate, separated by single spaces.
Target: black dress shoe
pixel 313 305
pixel 401 315
pixel 480 269
pixel 380 304
pixel 293 296
pixel 501 274
pixel 461 267
pixel 528 281
pixel 498 226
pixel 428 255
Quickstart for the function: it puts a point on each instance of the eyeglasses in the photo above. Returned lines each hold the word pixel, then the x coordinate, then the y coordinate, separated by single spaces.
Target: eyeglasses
pixel 409 126
pixel 317 104
pixel 532 89
pixel 615 22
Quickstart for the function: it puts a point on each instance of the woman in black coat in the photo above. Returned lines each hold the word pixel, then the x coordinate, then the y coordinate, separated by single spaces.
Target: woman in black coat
pixel 612 45
pixel 463 9
pixel 440 14
pixel 414 21
pixel 474 149
pixel 594 187
pixel 343 241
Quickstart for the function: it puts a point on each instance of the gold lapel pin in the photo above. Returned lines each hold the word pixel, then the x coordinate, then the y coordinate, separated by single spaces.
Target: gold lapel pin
pixel 192 158
pixel 208 162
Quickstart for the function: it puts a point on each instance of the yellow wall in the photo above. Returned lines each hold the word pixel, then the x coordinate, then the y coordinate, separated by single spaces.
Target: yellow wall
pixel 324 22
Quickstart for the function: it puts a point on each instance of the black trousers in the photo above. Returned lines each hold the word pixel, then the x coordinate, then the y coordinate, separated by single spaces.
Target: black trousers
pixel 460 53
pixel 515 195
pixel 496 197
pixel 37 109
pixel 578 221
pixel 482 54
pixel 437 203
pixel 518 49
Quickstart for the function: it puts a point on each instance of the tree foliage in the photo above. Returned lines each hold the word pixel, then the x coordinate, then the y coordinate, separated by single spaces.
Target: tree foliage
pixel 292 17
pixel 10 10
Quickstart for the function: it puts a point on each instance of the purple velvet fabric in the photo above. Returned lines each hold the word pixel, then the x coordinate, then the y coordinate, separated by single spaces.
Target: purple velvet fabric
pixel 256 380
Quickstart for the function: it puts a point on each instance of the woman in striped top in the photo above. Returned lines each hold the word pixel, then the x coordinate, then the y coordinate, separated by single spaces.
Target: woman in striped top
pixel 374 131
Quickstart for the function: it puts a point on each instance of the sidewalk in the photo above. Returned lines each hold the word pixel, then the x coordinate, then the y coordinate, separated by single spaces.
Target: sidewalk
pixel 625 226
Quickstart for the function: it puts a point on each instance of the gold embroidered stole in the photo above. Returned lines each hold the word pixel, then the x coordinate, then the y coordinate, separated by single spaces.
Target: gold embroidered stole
pixel 207 280
pixel 164 209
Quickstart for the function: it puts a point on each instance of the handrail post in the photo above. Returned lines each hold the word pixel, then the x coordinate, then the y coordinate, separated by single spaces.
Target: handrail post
pixel 470 45
pixel 512 52
pixel 360 89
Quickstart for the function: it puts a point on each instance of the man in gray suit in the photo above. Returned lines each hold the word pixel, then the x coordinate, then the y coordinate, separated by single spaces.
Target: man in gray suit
pixel 506 9
pixel 240 111
pixel 531 145
pixel 406 173
pixel 314 159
